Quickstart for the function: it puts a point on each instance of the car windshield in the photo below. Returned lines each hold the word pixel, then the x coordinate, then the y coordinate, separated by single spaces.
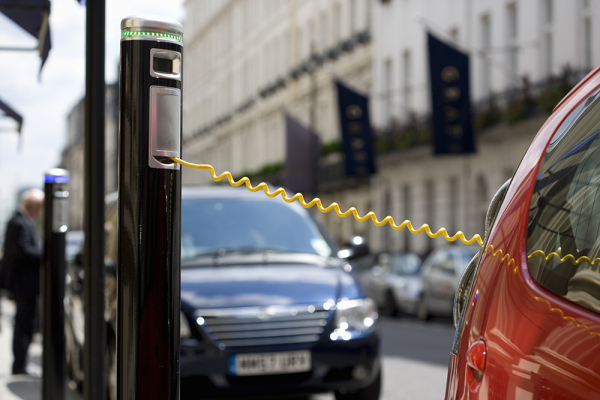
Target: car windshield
pixel 406 264
pixel 229 225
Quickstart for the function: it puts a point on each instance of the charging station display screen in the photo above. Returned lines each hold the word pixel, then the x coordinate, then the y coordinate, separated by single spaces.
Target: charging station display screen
pixel 163 65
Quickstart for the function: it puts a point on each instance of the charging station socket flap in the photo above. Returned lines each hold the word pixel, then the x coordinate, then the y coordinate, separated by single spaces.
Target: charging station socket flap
pixel 165 127
pixel 60 208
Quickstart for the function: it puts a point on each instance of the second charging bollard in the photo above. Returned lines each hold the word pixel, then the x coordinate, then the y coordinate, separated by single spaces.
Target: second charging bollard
pixel 53 284
pixel 149 209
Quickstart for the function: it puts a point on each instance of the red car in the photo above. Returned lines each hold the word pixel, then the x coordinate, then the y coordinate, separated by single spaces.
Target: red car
pixel 527 308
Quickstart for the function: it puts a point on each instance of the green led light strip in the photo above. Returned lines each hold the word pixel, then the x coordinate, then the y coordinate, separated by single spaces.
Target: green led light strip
pixel 154 34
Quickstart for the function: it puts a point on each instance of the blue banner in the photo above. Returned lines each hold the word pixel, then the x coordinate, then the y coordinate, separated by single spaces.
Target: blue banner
pixel 302 158
pixel 33 16
pixel 356 132
pixel 450 99
pixel 13 114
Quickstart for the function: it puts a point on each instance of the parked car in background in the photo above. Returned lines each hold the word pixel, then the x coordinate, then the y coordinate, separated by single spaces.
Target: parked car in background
pixel 441 272
pixel 395 283
pixel 73 244
pixel 527 309
pixel 267 307
pixel 74 300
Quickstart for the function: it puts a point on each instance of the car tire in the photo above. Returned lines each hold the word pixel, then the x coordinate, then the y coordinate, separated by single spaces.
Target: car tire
pixel 389 308
pixel 69 345
pixel 423 310
pixel 370 392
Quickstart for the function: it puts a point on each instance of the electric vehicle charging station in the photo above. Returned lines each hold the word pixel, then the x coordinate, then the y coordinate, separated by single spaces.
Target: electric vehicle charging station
pixel 149 208
pixel 52 273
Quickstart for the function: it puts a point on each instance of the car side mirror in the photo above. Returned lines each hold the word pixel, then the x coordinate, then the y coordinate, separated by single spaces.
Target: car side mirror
pixel 354 248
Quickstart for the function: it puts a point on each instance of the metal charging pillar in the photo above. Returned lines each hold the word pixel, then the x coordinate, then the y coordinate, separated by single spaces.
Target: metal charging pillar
pixel 149 209
pixel 53 284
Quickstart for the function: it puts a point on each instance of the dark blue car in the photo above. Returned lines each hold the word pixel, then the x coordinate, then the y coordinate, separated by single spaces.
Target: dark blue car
pixel 267 307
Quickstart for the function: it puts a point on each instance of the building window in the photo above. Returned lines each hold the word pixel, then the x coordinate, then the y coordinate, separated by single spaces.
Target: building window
pixel 278 64
pixel 407 203
pixel 312 43
pixel 486 45
pixel 512 37
pixel 587 35
pixel 548 38
pixel 337 19
pixel 388 91
pixel 299 51
pixel 266 64
pixel 407 76
pixel 369 12
pixel 287 44
pixel 430 209
pixel 352 16
pixel 324 32
pixel 387 229
pixel 482 202
pixel 453 205
pixel 246 80
pixel 229 93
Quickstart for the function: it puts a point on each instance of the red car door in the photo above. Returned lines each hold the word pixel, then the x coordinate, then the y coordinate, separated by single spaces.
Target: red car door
pixel 531 326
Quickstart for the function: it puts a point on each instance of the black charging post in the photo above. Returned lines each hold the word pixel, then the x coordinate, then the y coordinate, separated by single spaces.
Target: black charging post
pixel 149 270
pixel 53 283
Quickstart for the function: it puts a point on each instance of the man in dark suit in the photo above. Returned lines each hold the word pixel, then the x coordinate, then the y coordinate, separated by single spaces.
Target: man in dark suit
pixel 22 255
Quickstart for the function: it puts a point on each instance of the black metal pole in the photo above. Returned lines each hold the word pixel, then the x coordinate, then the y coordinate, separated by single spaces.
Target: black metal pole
pixel 93 284
pixel 148 276
pixel 53 284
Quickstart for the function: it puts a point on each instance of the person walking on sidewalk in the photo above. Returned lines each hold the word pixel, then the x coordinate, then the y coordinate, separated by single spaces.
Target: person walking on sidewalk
pixel 22 257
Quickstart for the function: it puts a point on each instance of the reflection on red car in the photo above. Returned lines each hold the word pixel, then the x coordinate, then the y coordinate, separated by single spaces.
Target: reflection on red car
pixel 527 307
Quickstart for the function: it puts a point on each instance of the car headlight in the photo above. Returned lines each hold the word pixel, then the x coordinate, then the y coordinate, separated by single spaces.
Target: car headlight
pixel 353 317
pixel 184 327
pixel 413 289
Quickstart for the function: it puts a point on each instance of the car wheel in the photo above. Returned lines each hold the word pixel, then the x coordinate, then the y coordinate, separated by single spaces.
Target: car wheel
pixel 71 360
pixel 370 392
pixel 423 311
pixel 389 308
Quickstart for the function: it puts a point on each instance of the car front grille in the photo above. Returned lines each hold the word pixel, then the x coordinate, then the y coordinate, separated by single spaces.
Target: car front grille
pixel 254 326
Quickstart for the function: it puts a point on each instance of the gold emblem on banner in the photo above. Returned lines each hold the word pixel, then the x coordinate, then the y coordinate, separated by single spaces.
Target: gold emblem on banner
pixel 450 74
pixel 353 111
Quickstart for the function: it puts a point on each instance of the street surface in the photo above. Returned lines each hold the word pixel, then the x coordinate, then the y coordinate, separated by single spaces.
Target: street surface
pixel 415 358
pixel 20 387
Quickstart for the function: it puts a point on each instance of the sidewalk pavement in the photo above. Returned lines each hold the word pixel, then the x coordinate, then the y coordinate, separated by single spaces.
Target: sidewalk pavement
pixel 21 387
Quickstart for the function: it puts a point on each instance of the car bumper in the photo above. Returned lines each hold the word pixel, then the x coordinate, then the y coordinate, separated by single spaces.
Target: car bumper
pixel 409 306
pixel 205 368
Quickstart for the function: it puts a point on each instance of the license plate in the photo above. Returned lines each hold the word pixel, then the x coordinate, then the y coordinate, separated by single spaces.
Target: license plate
pixel 270 363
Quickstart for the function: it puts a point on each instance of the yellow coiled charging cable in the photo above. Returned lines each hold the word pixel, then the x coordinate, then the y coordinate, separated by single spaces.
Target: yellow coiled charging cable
pixel 333 206
pixel 406 224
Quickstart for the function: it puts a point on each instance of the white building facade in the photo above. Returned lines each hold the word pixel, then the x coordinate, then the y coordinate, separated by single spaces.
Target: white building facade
pixel 508 41
pixel 249 62
pixel 72 158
